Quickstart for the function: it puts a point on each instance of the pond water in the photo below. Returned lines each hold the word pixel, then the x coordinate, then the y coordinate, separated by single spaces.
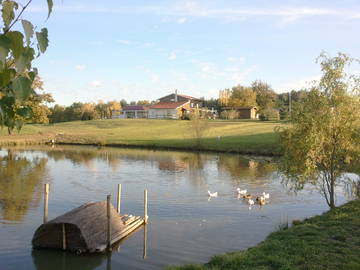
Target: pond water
pixel 184 225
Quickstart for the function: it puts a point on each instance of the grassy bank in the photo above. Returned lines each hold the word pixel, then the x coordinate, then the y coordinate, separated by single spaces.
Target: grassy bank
pixel 254 137
pixel 328 241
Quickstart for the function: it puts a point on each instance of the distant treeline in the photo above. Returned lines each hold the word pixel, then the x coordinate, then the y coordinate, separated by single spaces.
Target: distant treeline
pixel 259 94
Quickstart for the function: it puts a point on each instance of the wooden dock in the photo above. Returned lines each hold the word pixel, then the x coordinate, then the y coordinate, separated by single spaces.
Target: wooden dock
pixel 92 227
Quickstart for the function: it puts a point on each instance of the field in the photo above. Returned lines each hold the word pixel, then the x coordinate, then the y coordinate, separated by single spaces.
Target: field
pixel 329 241
pixel 246 136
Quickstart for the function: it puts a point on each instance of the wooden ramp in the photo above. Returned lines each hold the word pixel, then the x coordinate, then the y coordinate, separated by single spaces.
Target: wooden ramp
pixel 85 229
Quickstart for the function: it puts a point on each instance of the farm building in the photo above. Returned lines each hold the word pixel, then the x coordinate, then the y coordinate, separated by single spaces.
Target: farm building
pixel 175 97
pixel 132 111
pixel 170 110
pixel 244 112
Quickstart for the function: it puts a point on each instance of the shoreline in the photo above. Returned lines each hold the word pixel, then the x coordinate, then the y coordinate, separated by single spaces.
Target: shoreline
pixel 14 143
pixel 326 241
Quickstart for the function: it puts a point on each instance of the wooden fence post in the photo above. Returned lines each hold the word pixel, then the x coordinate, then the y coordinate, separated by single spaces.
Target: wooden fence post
pixel 145 242
pixel 119 198
pixel 145 207
pixel 108 202
pixel 46 202
pixel 63 237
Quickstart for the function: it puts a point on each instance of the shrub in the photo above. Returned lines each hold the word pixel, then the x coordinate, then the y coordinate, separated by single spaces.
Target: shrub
pixel 269 114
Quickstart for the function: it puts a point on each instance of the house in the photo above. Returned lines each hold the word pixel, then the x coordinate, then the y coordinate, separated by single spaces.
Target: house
pixel 132 111
pixel 170 110
pixel 175 97
pixel 244 112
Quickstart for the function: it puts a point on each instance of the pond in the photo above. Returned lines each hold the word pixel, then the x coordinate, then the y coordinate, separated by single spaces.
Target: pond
pixel 184 224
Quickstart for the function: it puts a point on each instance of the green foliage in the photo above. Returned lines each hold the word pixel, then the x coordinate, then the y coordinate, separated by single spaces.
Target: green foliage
pixel 242 97
pixel 28 29
pixel 21 87
pixel 229 114
pixel 269 114
pixel 199 126
pixel 42 38
pixel 323 141
pixel 265 95
pixel 8 13
pixel 17 52
pixel 84 111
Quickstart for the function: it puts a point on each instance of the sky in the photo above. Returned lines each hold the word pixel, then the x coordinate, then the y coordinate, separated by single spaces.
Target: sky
pixel 143 50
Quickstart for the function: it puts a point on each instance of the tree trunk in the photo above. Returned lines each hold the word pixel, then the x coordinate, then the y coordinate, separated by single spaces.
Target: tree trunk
pixel 9 131
pixel 332 192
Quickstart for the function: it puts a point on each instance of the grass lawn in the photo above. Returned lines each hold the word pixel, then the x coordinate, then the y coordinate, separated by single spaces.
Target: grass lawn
pixel 329 241
pixel 236 136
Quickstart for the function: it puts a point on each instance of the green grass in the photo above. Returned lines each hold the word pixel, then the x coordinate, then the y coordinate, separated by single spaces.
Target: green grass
pixel 329 241
pixel 236 136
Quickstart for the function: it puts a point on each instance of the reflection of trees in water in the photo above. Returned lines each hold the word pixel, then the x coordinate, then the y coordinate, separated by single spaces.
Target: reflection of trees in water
pixel 182 162
pixel 245 169
pixel 20 184
pixel 351 183
pixel 86 157
pixel 168 161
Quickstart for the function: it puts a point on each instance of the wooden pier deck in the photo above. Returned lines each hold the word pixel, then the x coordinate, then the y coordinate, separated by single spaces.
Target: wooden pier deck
pixel 92 227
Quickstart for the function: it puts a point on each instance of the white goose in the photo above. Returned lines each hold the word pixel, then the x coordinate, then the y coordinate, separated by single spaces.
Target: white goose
pixel 241 191
pixel 251 202
pixel 266 195
pixel 214 194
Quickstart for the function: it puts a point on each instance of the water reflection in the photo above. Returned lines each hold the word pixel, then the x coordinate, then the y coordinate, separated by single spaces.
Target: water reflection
pixel 60 260
pixel 244 169
pixel 20 184
pixel 185 227
pixel 63 260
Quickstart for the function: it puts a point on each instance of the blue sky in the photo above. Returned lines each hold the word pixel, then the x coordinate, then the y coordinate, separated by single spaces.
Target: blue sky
pixel 145 49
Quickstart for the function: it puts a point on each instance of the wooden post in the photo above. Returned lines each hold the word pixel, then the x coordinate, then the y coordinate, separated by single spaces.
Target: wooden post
pixel 46 202
pixel 145 207
pixel 108 222
pixel 145 242
pixel 63 237
pixel 119 198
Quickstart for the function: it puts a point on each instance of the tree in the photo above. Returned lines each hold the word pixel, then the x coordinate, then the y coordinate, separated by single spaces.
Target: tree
pixel 113 106
pixel 17 51
pixel 143 102
pixel 265 95
pixel 38 103
pixel 224 97
pixel 283 102
pixel 323 142
pixel 57 114
pixel 123 103
pixel 242 97
pixel 198 126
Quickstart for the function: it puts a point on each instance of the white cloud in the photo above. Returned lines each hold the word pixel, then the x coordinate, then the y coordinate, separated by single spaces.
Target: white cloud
pixel 207 67
pixel 154 78
pixel 96 83
pixel 124 42
pixel 149 44
pixel 80 67
pixel 239 75
pixel 235 59
pixel 181 20
pixel 172 56
pixel 185 9
pixel 296 84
